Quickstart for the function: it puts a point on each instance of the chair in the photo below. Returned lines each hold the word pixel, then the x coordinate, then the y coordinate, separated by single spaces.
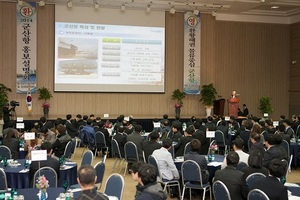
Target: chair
pixel 85 140
pixel 172 151
pixel 116 152
pixel 220 191
pixel 265 133
pixel 241 165
pixel 87 158
pixel 192 178
pixel 187 148
pixel 114 186
pixel 5 152
pixel 3 183
pixel 100 142
pixel 69 150
pixel 220 139
pixel 286 146
pixel 249 144
pixel 245 135
pixel 131 154
pixel 257 194
pixel 49 173
pixel 252 178
pixel 297 131
pixel 100 169
pixel 152 160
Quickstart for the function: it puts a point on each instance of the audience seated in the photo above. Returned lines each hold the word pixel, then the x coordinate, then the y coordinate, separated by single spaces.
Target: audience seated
pixel 232 178
pixel 70 126
pixel 224 128
pixel 179 147
pixel 270 128
pixel 238 145
pixel 120 137
pixel 102 128
pixel 166 128
pixel 176 129
pixel 134 175
pixel 48 135
pixel 151 145
pixel 11 126
pixel 288 130
pixel 12 142
pixel 200 134
pixel 87 135
pixel 61 141
pixel 138 140
pixel 210 125
pixel 45 123
pixel 278 141
pixel 256 144
pixel 272 150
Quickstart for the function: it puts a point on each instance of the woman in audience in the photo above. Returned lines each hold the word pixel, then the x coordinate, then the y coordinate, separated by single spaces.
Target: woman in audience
pixel 256 144
pixel 12 142
pixel 32 145
pixel 200 159
pixel 255 162
pixel 256 129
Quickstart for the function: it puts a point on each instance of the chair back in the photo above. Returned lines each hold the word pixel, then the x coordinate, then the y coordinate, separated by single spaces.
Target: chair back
pixel 191 171
pixel 152 161
pixel 5 152
pixel 3 183
pixel 87 158
pixel 115 149
pixel 245 135
pixel 257 194
pixel 100 169
pixel 100 141
pixel 170 135
pixel 265 133
pixel 172 151
pixel 68 150
pixel 131 153
pixel 286 146
pixel 49 173
pixel 220 191
pixel 252 178
pixel 297 131
pixel 187 148
pixel 219 138
pixel 241 165
pixel 114 186
pixel 249 144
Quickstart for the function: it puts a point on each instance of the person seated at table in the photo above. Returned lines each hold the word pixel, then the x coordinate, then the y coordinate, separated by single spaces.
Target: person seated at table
pixel 70 126
pixel 87 179
pixel 48 135
pixel 176 130
pixel 188 136
pixel 256 144
pixel 151 145
pixel 32 145
pixel 288 130
pixel 200 134
pixel 233 178
pixel 271 185
pixel 270 128
pixel 224 128
pixel 149 188
pixel 102 128
pixel 134 175
pixel 238 145
pixel 87 135
pixel 120 137
pixel 12 142
pixel 45 123
pixel 284 136
pixel 200 159
pixel 278 144
pixel 255 162
pixel 233 123
pixel 272 150
pixel 166 128
pixel 138 140
pixel 210 124
pixel 11 126
pixel 61 141
pixel 50 162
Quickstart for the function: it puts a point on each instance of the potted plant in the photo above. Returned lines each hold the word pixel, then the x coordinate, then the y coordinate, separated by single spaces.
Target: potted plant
pixel 44 94
pixel 178 96
pixel 208 96
pixel 265 105
pixel 3 101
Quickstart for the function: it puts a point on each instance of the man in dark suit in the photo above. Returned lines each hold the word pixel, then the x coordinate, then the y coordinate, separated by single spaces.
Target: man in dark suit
pixel 210 124
pixel 150 146
pixel 137 139
pixel 45 123
pixel 71 129
pixel 179 147
pixel 271 185
pixel 50 162
pixel 101 127
pixel 232 178
pixel 120 137
pixel 176 129
pixel 272 150
pixel 224 128
pixel 200 134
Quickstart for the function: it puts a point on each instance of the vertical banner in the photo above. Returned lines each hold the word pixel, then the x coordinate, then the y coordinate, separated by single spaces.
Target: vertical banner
pixel 192 46
pixel 26 47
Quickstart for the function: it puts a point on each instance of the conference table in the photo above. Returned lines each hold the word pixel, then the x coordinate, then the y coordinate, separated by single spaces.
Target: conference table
pixel 18 176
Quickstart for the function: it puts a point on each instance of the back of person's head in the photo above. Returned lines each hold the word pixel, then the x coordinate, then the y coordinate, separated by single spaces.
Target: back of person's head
pixel 193 119
pixel 85 117
pixel 121 129
pixel 199 120
pixel 209 118
pixel 138 128
pixel 124 122
pixel 262 123
pixel 167 143
pixel 232 159
pixel 281 128
pixel 238 143
pixel 269 122
pixel 89 121
pixel 92 115
pixel 61 129
pixel 46 146
pixel 154 135
pixel 282 116
pixel 86 175
pixel 190 130
pixel 148 174
pixel 177 126
pixel 101 124
pixel 195 145
pixel 223 123
pixel 44 129
pixel 270 139
pixel 232 117
pixel 166 122
pixel 196 125
pixel 255 119
pixel 276 168
pixel 165 116
pixel 136 166
pixel 12 124
pixel 256 128
pixel 43 119
pixel 69 116
pixel 286 121
pixel 278 139
pixel 79 116
pixel 255 159
pixel 255 136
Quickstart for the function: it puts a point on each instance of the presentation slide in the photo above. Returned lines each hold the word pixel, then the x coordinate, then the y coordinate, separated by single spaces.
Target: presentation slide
pixel 109 57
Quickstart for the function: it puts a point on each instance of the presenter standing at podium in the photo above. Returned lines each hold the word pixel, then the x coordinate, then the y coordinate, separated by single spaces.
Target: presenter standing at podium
pixel 233 95
pixel 233 104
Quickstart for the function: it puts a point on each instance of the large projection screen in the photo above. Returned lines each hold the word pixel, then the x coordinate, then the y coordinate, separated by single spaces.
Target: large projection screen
pixel 109 50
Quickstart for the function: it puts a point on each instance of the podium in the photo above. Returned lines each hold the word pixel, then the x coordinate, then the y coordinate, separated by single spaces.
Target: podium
pixel 219 107
pixel 233 106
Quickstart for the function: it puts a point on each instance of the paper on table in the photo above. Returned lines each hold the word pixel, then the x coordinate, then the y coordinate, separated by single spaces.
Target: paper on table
pixel 70 163
pixel 75 190
pixel 112 198
pixel 24 170
pixel 291 185
pixel 215 164
pixel 64 167
pixel 294 198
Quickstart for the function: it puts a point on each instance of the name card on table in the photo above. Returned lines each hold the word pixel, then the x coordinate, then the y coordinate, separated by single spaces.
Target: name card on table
pixel 210 134
pixel 20 125
pixel 29 136
pixel 19 119
pixel 266 114
pixel 126 118
pixel 106 115
pixel 156 124
pixel 227 118
pixel 38 155
pixel 275 123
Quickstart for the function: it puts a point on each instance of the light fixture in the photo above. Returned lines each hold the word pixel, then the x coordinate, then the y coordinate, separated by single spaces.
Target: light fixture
pixel 196 12
pixel 20 2
pixel 148 8
pixel 172 10
pixel 69 4
pixel 96 4
pixel 41 3
pixel 123 7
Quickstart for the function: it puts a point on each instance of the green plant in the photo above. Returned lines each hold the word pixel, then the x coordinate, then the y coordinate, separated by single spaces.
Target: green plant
pixel 3 97
pixel 44 94
pixel 178 96
pixel 265 105
pixel 208 94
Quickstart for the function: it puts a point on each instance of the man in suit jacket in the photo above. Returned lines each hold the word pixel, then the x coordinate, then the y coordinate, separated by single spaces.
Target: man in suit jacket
pixel 200 134
pixel 71 129
pixel 232 178
pixel 50 162
pixel 137 139
pixel 272 150
pixel 271 185
pixel 179 147
pixel 150 146
pixel 176 129
pixel 224 128
pixel 120 137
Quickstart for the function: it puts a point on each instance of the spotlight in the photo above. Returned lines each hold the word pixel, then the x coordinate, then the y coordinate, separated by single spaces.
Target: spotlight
pixel 69 4
pixel 123 7
pixel 196 12
pixel 41 3
pixel 172 11
pixel 148 9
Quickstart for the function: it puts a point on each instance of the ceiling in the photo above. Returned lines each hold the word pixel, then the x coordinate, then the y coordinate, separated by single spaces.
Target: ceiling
pixel 285 8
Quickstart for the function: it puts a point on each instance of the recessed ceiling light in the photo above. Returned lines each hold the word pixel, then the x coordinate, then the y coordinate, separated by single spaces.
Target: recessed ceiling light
pixel 274 7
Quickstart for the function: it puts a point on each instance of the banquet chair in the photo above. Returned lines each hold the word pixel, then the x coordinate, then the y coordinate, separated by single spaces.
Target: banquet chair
pixel 100 142
pixel 257 194
pixel 87 158
pixel 297 131
pixel 252 178
pixel 131 154
pixel 116 153
pixel 249 144
pixel 69 150
pixel 286 146
pixel 220 140
pixel 114 186
pixel 192 178
pixel 166 183
pixel 220 191
pixel 241 165
pixel 3 183
pixel 187 149
pixel 49 173
pixel 5 152
pixel 172 151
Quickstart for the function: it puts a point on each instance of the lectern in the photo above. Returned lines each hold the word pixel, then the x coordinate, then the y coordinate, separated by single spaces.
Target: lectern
pixel 233 106
pixel 219 107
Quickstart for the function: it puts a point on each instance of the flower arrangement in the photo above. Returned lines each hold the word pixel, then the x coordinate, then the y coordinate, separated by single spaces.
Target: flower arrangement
pixel 214 148
pixel 42 183
pixel 46 105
